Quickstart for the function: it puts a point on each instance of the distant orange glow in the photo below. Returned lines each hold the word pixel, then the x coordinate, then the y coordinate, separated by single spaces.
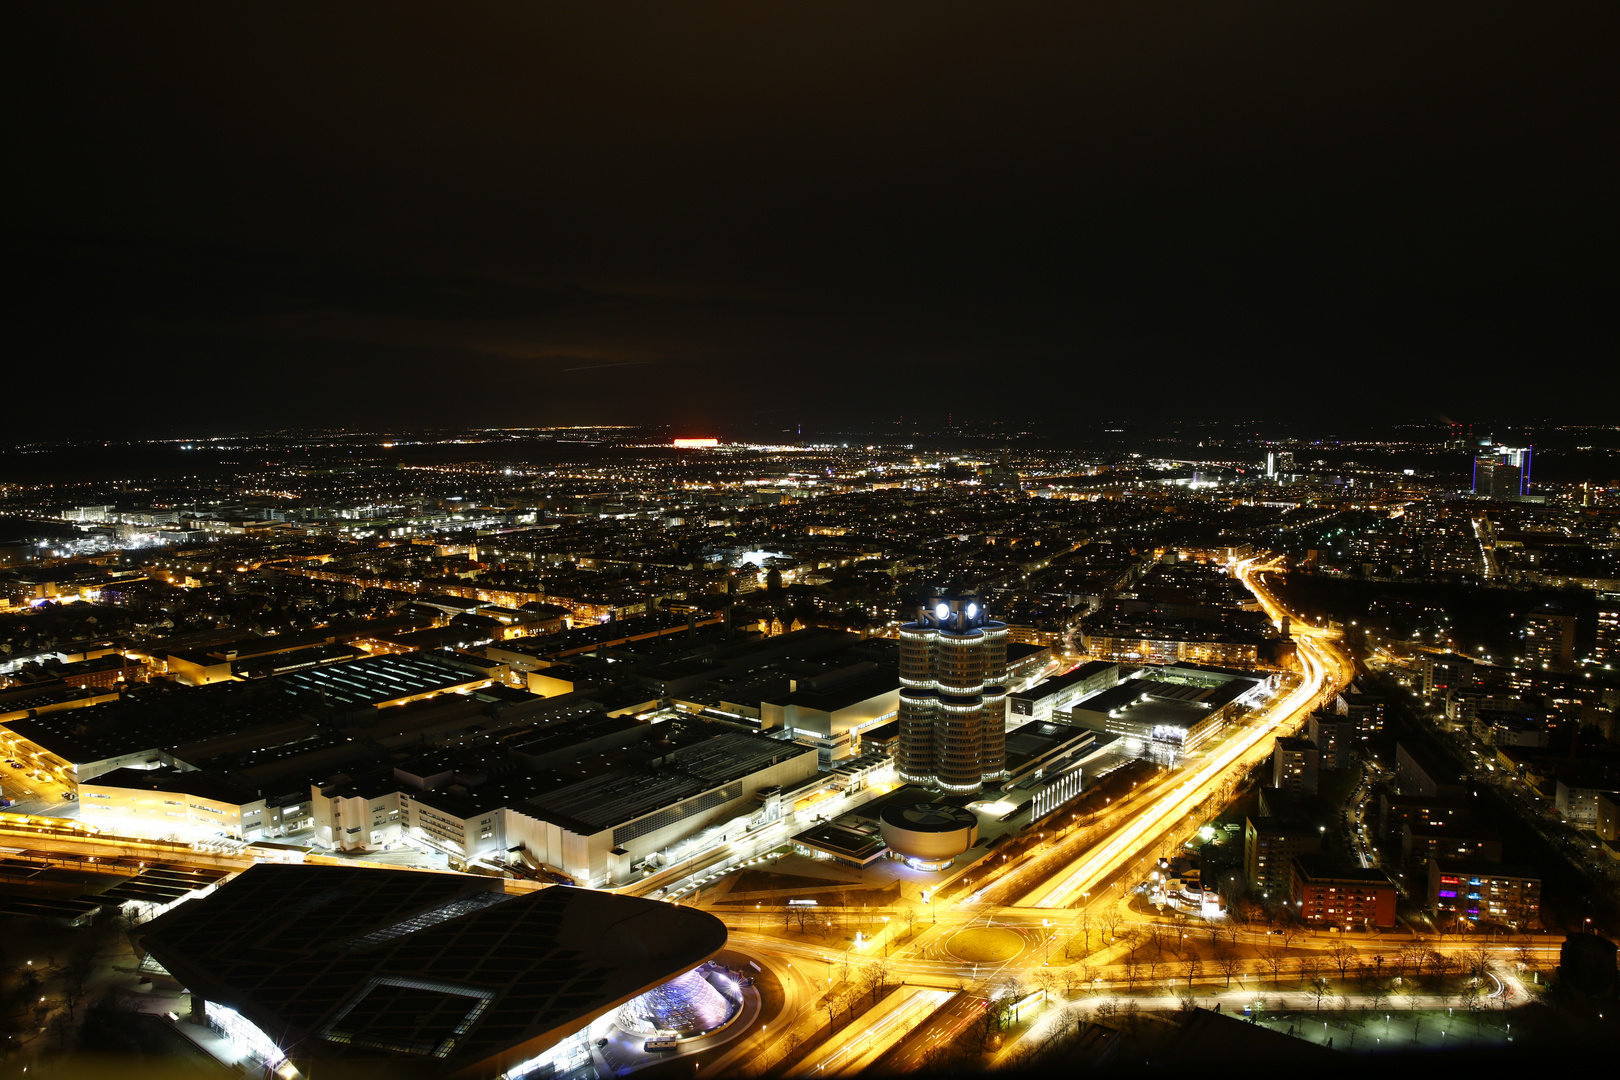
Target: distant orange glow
pixel 690 443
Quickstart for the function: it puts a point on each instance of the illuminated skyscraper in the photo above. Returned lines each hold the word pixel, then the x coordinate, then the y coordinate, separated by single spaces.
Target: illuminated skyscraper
pixel 953 701
pixel 1503 470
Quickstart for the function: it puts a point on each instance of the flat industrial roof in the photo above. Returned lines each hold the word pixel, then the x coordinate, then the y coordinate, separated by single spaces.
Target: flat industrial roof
pixel 842 695
pixel 1315 869
pixel 1041 738
pixel 621 795
pixel 196 783
pixel 377 679
pixel 841 840
pixel 160 718
pixel 1059 683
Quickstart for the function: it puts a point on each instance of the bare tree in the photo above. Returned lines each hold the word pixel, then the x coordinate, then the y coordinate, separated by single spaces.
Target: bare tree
pixel 1342 953
pixel 1191 966
pixel 989 1024
pixel 940 1059
pixel 874 976
pixel 1075 978
pixel 1473 999
pixel 1131 964
pixel 75 976
pixel 1410 959
pixel 1226 958
pixel 1442 964
pixel 1273 957
pixel 61 1026
pixel 1084 920
pixel 1110 919
pixel 1319 991
pixel 1476 961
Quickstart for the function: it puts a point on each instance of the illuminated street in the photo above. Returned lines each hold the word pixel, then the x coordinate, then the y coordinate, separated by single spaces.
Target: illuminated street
pixel 1035 910
pixel 549 542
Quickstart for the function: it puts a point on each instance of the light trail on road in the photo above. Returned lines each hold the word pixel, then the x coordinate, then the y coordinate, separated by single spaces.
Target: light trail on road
pixel 1011 880
pixel 1325 668
pixel 881 1033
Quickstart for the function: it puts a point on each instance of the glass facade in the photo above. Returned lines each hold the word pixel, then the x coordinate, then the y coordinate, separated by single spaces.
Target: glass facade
pixel 243 1035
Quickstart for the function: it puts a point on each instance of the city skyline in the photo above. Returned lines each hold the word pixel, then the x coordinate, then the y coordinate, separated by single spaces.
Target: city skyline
pixel 779 541
pixel 948 752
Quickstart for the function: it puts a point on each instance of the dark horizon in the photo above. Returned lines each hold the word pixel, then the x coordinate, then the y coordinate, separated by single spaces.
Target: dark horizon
pixel 1563 453
pixel 734 216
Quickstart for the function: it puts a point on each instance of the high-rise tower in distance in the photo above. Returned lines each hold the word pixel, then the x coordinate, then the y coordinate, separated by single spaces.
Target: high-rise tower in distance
pixel 953 697
pixel 1503 470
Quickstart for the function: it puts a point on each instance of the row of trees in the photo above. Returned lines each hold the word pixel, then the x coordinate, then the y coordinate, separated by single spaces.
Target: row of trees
pixel 1146 962
pixel 1375 998
pixel 826 920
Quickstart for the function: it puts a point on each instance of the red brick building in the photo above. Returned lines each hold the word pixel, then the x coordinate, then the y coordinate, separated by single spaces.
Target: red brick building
pixel 103 671
pixel 1346 897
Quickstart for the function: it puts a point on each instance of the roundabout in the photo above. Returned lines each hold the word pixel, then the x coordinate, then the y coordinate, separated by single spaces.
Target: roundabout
pixel 985 945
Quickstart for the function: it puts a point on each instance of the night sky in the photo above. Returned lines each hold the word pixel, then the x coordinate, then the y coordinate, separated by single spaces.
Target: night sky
pixel 233 216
